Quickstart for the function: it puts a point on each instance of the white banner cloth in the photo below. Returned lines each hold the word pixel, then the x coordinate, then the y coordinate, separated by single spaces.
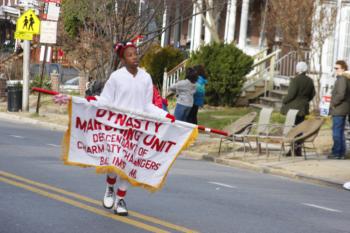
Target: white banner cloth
pixel 138 147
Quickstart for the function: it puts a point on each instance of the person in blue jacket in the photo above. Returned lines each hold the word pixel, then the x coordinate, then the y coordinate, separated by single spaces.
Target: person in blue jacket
pixel 198 98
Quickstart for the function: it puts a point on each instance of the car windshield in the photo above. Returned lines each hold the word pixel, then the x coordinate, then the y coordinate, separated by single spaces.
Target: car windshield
pixel 73 81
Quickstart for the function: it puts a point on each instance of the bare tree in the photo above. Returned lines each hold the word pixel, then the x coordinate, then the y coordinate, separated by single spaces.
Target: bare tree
pixel 303 24
pixel 290 20
pixel 91 28
pixel 323 27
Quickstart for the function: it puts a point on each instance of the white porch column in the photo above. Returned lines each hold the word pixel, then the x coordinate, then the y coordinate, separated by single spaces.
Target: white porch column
pixel 244 25
pixel 230 21
pixel 193 23
pixel 165 34
pixel 336 32
pixel 177 27
pixel 208 38
pixel 196 26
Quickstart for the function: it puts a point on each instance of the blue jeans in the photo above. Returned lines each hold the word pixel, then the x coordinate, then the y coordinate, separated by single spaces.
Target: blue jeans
pixel 339 146
pixel 181 112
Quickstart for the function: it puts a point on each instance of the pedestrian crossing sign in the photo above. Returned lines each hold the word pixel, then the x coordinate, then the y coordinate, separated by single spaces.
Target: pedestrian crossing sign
pixel 28 23
pixel 23 36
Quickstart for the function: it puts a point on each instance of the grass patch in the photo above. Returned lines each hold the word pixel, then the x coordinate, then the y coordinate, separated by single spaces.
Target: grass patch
pixel 220 117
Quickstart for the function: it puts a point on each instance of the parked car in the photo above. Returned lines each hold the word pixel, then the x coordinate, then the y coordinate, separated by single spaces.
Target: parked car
pixel 70 85
pixel 63 72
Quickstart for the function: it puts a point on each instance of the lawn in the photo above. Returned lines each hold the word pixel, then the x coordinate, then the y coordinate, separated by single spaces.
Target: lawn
pixel 220 117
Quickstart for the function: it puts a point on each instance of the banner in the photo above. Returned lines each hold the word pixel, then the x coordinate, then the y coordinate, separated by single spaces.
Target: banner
pixel 138 147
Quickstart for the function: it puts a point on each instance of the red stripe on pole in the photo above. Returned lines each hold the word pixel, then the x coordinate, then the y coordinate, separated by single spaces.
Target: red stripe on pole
pixel 200 127
pixel 45 91
pixel 215 131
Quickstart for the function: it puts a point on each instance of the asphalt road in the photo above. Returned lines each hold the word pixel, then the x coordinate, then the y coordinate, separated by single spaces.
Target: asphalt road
pixel 40 194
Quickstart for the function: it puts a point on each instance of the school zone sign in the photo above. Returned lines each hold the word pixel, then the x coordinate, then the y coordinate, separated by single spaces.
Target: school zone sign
pixel 138 147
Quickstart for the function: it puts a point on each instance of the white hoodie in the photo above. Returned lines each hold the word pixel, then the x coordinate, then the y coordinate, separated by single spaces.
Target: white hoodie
pixel 134 93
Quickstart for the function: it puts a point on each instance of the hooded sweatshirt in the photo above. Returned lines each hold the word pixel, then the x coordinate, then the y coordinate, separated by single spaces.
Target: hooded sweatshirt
pixel 200 91
pixel 184 90
pixel 340 101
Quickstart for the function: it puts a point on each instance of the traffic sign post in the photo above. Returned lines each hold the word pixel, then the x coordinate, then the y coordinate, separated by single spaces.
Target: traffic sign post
pixel 28 24
pixel 48 33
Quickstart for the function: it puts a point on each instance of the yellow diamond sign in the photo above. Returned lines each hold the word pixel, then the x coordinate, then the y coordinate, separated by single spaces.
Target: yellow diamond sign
pixel 28 23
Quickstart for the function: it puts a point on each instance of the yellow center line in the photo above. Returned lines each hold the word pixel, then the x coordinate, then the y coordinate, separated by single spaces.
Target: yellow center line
pixel 96 202
pixel 83 206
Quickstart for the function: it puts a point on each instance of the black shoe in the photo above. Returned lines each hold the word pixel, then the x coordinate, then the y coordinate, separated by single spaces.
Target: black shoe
pixel 298 152
pixel 288 154
pixel 331 157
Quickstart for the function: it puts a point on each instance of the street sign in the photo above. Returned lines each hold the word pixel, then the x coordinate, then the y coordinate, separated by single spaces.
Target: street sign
pixel 51 11
pixel 325 103
pixel 28 23
pixel 23 36
pixel 48 53
pixel 48 32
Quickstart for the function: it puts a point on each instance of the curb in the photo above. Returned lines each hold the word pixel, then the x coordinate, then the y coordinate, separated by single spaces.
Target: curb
pixel 275 170
pixel 16 118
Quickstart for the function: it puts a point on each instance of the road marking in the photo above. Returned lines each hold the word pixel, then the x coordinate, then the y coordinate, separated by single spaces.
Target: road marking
pixel 322 207
pixel 53 145
pixel 16 136
pixel 83 206
pixel 96 202
pixel 223 185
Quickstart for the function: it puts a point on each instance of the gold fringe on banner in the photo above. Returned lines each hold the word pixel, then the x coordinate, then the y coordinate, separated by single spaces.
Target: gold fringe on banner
pixel 112 169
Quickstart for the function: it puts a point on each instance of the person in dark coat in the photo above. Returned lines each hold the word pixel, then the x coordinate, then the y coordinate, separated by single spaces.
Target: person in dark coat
pixel 300 92
pixel 339 109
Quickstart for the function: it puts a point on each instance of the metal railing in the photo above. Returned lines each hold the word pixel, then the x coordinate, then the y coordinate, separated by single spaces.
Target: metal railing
pixel 172 76
pixel 286 65
pixel 263 71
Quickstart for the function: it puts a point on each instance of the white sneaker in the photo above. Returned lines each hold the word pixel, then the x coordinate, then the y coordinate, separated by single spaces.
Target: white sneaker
pixel 347 185
pixel 120 207
pixel 108 199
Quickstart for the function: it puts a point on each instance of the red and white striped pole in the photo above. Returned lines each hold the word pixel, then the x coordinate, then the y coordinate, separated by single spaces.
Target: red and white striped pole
pixel 200 127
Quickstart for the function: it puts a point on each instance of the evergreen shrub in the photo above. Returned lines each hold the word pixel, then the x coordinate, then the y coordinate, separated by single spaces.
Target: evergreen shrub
pixel 156 59
pixel 226 67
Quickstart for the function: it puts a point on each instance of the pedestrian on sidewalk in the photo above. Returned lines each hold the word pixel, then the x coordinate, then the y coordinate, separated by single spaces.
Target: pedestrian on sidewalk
pixel 184 90
pixel 301 91
pixel 88 87
pixel 198 98
pixel 339 109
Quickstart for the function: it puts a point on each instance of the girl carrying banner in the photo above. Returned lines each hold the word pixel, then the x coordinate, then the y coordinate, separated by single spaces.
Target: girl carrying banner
pixel 128 88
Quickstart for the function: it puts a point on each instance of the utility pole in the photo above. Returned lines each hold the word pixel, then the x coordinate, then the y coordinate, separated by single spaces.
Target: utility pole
pixel 26 63
pixel 41 79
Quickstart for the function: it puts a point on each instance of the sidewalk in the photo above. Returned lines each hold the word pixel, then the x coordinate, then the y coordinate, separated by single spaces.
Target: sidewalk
pixel 324 171
pixel 317 170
